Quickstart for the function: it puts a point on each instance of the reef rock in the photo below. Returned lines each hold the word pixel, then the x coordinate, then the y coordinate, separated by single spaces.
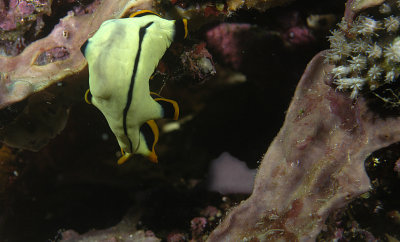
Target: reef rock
pixel 24 74
pixel 314 165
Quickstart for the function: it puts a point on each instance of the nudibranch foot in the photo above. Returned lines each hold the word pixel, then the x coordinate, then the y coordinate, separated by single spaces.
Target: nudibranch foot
pixel 124 158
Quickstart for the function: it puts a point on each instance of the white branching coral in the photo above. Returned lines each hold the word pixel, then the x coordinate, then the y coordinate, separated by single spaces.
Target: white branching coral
pixel 367 26
pixel 366 51
pixel 385 8
pixel 392 24
pixel 392 52
pixel 374 51
pixel 358 63
pixel 341 71
pixel 355 84
pixel 389 77
pixel 374 72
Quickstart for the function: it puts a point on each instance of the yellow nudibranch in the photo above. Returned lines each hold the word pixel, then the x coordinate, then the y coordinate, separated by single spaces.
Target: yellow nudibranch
pixel 121 56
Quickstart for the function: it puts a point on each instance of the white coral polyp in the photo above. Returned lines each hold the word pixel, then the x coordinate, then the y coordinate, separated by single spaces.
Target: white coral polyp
pixel 332 57
pixel 385 8
pixel 336 37
pixel 392 24
pixel 374 51
pixel 350 82
pixel 367 26
pixel 360 45
pixel 358 63
pixel 390 75
pixel 341 71
pixel 353 83
pixel 354 93
pixel 374 72
pixel 392 52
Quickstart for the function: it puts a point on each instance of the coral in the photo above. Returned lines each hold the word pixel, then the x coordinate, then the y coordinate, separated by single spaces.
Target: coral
pixel 298 36
pixel 200 13
pixel 226 39
pixel 207 9
pixel 211 212
pixel 197 226
pixel 294 30
pixel 314 165
pixel 366 53
pixel 198 63
pixel 16 13
pixel 396 167
pixel 238 44
pixel 176 237
pixel 16 19
pixel 186 64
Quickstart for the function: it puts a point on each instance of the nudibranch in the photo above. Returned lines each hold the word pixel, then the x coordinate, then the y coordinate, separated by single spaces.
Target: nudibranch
pixel 122 55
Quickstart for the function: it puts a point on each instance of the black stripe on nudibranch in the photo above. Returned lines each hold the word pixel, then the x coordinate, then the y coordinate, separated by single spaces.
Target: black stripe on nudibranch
pixel 181 29
pixel 148 135
pixel 168 108
pixel 145 13
pixel 142 33
pixel 83 47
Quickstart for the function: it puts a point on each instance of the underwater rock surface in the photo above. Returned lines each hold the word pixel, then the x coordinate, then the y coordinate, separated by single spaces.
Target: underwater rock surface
pixel 314 165
pixel 22 75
